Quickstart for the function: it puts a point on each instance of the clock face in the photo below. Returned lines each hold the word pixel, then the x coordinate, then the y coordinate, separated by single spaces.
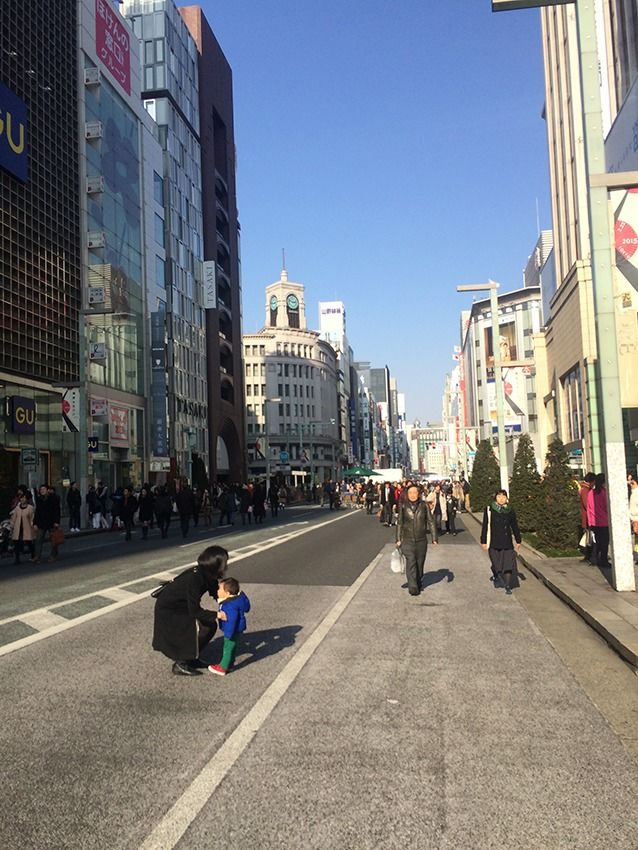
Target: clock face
pixel 273 302
pixel 293 302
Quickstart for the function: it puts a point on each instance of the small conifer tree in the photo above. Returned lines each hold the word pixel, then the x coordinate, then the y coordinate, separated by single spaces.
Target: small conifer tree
pixel 485 479
pixel 559 507
pixel 525 493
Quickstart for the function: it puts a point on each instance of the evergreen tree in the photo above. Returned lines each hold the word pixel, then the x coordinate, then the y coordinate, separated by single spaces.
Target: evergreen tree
pixel 486 477
pixel 524 487
pixel 559 507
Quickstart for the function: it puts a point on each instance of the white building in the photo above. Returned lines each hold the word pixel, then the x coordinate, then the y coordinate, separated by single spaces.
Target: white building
pixel 291 393
pixel 332 328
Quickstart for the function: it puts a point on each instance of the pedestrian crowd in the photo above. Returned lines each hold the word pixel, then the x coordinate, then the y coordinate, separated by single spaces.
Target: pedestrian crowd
pixel 594 540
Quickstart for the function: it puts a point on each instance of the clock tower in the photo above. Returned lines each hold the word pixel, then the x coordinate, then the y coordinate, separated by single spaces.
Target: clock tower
pixel 285 306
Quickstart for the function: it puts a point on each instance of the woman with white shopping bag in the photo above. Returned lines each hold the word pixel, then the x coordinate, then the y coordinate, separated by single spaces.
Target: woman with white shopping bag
pixel 414 518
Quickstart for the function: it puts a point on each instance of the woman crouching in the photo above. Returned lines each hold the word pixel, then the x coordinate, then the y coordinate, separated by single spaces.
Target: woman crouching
pixel 182 627
pixel 499 524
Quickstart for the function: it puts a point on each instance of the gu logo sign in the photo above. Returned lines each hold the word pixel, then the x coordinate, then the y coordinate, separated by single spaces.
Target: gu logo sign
pixel 13 134
pixel 22 415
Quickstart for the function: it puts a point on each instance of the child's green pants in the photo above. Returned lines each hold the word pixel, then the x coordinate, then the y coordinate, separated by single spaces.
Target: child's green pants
pixel 230 648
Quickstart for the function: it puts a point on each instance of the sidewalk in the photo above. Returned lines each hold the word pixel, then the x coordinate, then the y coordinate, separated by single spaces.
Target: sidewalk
pixel 587 589
pixel 440 722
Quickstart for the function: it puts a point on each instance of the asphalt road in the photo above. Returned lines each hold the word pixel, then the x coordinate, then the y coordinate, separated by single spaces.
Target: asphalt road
pixel 357 716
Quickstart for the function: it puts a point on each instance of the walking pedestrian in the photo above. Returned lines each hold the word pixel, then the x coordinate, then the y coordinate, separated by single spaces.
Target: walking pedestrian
pixel 184 502
pixel 273 498
pixel 499 525
pixel 74 502
pixel 127 509
pixel 438 505
pixel 45 521
pixel 451 506
pixel 182 628
pixel 633 514
pixel 259 507
pixel 370 494
pixel 163 510
pixel 245 505
pixel 414 519
pixel 598 522
pixel 146 505
pixel 22 531
pixel 584 490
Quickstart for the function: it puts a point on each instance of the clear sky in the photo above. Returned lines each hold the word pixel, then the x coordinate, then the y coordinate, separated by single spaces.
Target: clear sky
pixel 394 148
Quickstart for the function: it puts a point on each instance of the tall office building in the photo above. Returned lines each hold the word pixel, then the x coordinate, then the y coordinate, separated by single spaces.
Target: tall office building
pixel 170 81
pixel 222 294
pixel 332 327
pixel 40 297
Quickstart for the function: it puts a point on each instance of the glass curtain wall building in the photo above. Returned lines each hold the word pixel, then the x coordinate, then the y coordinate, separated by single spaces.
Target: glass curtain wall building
pixel 170 93
pixel 40 293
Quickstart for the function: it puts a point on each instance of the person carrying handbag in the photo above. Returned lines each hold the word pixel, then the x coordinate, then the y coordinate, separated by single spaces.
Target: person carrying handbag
pixel 413 521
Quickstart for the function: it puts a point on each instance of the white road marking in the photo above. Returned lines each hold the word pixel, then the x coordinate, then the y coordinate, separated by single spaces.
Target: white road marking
pixel 118 593
pixel 171 828
pixel 42 620
pixel 131 596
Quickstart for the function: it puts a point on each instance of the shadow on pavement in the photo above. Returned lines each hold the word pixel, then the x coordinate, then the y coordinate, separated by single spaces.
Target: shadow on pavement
pixel 256 645
pixel 436 576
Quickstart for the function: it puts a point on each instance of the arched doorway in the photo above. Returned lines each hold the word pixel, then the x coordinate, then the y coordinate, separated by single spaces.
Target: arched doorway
pixel 229 464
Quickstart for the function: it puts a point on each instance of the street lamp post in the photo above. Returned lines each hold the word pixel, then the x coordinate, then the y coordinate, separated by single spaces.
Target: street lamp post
pixel 267 438
pixel 601 250
pixel 492 286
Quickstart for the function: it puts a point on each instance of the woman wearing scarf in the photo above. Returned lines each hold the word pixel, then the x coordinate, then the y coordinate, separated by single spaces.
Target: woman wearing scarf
pixel 499 524
pixel 413 520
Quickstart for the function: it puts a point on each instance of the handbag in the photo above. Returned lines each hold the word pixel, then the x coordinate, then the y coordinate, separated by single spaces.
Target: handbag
pixel 57 536
pixel 397 561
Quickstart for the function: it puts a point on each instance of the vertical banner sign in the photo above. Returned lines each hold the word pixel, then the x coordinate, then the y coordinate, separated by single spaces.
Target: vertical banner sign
pixel 71 411
pixel 22 415
pixel 13 134
pixel 626 292
pixel 119 425
pixel 210 285
pixel 112 43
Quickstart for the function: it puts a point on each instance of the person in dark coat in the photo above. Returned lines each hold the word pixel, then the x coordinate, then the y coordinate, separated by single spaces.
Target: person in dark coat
pixel 163 507
pixel 146 504
pixel 182 628
pixel 273 498
pixel 259 500
pixel 414 519
pixel 74 501
pixel 499 525
pixel 128 506
pixel 185 506
pixel 246 505
pixel 45 520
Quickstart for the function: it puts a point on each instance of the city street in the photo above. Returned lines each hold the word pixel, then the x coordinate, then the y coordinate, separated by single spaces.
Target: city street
pixel 356 717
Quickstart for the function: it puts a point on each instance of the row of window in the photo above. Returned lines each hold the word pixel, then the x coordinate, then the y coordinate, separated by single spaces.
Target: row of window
pixel 284 410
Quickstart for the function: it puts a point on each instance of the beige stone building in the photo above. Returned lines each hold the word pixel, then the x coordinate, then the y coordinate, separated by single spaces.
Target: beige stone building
pixel 565 352
pixel 291 393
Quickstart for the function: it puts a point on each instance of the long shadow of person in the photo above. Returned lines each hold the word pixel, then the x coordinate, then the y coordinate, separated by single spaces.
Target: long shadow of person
pixel 255 645
pixel 436 576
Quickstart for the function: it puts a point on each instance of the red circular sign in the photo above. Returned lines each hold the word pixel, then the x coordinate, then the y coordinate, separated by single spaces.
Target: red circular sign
pixel 626 239
pixel 66 407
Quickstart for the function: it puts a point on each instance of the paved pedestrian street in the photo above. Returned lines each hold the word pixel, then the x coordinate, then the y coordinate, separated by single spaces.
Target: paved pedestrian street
pixel 357 717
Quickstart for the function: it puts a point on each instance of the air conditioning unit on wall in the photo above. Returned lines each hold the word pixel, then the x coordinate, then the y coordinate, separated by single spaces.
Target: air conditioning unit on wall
pixel 94 184
pixel 91 76
pixel 93 130
pixel 95 239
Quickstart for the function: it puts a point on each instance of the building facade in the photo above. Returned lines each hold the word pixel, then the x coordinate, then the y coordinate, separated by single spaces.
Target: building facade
pixel 40 267
pixel 291 393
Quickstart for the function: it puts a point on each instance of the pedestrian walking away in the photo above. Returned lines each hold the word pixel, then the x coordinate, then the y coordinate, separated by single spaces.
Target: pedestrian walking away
pixel 499 525
pixel 74 502
pixel 598 522
pixel 234 603
pixel 146 504
pixel 414 519
pixel 163 509
pixel 45 521
pixel 182 628
pixel 185 502
pixel 22 531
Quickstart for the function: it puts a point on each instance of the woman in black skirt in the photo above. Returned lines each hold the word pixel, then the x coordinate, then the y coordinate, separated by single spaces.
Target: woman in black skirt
pixel 499 524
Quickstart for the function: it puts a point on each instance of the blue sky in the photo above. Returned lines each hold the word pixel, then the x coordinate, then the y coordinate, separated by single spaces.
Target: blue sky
pixel 394 148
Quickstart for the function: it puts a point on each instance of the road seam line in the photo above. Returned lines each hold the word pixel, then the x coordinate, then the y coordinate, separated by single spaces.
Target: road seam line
pixel 171 828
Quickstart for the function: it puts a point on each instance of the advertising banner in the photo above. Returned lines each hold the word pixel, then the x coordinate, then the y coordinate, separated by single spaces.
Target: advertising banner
pixel 99 407
pixel 506 343
pixel 210 285
pixel 13 134
pixel 625 205
pixel 119 425
pixel 515 389
pixel 112 43
pixel 71 410
pixel 21 415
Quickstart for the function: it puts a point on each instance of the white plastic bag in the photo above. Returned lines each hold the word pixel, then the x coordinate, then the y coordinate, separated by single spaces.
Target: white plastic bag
pixel 397 561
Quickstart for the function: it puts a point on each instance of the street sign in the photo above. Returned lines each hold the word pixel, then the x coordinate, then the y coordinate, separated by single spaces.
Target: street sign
pixel 284 457
pixel 93 444
pixel 283 467
pixel 29 457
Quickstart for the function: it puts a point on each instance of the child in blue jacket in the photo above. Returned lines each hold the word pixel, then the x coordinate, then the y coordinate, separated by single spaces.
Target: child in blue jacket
pixel 235 605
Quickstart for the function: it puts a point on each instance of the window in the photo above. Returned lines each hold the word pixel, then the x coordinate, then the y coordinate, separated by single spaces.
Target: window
pixel 249 389
pixel 159 231
pixel 287 390
pixel 281 410
pixel 262 350
pixel 158 188
pixel 280 389
pixel 249 409
pixel 572 405
pixel 294 370
pixel 287 410
pixel 160 272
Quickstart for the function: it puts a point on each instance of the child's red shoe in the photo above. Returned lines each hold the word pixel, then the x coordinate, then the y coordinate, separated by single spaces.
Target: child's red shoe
pixel 215 668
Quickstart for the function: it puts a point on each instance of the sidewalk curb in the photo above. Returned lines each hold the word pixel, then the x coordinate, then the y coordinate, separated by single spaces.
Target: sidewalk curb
pixel 615 630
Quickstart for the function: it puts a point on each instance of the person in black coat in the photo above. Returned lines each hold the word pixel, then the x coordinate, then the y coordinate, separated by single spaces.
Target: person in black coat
pixel 74 501
pixel 146 504
pixel 273 498
pixel 259 503
pixel 185 506
pixel 182 628
pixel 499 525
pixel 128 506
pixel 45 520
pixel 414 519
pixel 163 507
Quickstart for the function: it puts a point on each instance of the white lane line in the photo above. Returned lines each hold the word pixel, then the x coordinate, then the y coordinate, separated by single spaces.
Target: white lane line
pixel 42 620
pixel 171 828
pixel 118 593
pixel 131 597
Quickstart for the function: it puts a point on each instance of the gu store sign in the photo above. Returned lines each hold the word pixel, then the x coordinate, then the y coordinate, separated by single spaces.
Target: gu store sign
pixel 13 134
